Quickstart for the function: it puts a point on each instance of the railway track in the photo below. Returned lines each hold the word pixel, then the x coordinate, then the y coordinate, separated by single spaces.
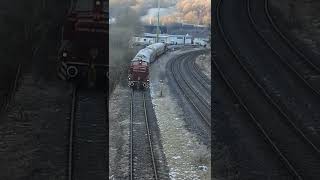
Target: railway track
pixel 88 136
pixel 195 81
pixel 196 71
pixel 291 57
pixel 142 158
pixel 197 94
pixel 198 76
pixel 301 66
pixel 286 39
pixel 294 148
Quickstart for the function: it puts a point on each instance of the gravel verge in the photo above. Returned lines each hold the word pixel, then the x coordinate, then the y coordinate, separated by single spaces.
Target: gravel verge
pixel 34 131
pixel 119 119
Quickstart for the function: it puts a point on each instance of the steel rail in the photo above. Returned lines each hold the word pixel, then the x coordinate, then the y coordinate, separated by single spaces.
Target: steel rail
pixel 189 86
pixel 7 99
pixel 131 135
pixel 149 138
pixel 86 138
pixel 200 98
pixel 13 89
pixel 148 134
pixel 274 146
pixel 203 90
pixel 203 101
pixel 256 122
pixel 271 100
pixel 285 62
pixel 71 132
pixel 286 39
pixel 198 70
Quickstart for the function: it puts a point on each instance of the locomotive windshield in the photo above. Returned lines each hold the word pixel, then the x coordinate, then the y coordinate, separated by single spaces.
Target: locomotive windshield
pixel 141 56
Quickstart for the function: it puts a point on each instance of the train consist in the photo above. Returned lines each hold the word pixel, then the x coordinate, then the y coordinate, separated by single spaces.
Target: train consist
pixel 83 50
pixel 138 74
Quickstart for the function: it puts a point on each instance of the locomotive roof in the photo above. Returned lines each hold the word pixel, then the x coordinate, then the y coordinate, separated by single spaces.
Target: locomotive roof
pixel 156 45
pixel 146 53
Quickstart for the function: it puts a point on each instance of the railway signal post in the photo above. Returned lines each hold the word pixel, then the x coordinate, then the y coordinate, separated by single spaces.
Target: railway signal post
pixel 161 88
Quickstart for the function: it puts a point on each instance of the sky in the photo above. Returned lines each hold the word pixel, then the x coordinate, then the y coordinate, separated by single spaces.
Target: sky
pixel 186 11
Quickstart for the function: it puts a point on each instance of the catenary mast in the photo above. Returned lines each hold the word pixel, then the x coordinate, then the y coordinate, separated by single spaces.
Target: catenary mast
pixel 158 29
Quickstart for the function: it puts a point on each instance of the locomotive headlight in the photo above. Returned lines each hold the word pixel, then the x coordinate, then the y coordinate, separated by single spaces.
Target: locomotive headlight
pixel 72 71
pixel 64 54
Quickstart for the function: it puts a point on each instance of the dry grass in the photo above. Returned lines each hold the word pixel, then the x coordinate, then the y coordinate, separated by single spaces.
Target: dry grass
pixel 202 157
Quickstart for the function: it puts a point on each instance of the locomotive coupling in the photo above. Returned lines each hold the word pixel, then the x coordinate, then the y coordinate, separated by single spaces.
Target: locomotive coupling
pixel 145 85
pixel 130 84
pixel 72 71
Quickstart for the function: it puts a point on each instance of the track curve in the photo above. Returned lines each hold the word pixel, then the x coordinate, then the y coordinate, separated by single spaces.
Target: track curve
pixel 199 101
pixel 280 145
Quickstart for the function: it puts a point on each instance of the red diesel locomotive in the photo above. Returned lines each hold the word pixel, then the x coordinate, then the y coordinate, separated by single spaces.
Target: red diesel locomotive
pixel 138 75
pixel 83 51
